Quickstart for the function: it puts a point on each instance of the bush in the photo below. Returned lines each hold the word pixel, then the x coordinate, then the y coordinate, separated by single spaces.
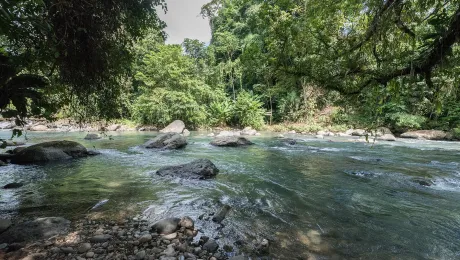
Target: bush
pixel 403 121
pixel 248 110
pixel 160 107
pixel 220 113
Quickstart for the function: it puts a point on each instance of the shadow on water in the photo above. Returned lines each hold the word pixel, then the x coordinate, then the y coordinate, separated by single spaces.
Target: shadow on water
pixel 329 200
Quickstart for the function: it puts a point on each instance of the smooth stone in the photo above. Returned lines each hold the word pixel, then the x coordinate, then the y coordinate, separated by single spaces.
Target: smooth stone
pixel 67 250
pixel 92 137
pixel 231 141
pixel 83 248
pixel 177 126
pixel 198 169
pixel 166 226
pixel 145 238
pixel 89 254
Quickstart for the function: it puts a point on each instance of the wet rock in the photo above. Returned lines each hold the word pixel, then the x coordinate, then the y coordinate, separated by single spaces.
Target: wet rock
pixel 167 141
pixel 176 126
pixel 166 226
pixel 426 135
pixel 211 246
pixel 13 185
pixel 387 137
pixel 290 141
pixel 39 128
pixel 50 151
pixel 83 248
pixel 100 238
pixel 92 137
pixel 186 133
pixel 4 224
pixel 231 141
pixel 220 216
pixel 40 228
pixel 187 222
pixel 422 182
pixel 197 169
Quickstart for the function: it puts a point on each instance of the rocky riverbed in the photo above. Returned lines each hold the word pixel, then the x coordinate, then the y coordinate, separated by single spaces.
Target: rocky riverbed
pixel 130 238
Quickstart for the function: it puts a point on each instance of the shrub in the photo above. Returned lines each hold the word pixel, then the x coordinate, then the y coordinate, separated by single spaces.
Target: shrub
pixel 404 121
pixel 161 106
pixel 220 113
pixel 248 110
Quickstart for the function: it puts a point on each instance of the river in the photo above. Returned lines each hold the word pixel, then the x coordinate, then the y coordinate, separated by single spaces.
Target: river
pixel 319 198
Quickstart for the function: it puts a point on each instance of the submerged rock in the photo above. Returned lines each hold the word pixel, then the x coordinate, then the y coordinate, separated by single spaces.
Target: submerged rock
pixel 290 141
pixel 41 228
pixel 220 216
pixel 50 151
pixel 4 224
pixel 13 185
pixel 167 141
pixel 92 137
pixel 231 141
pixel 426 135
pixel 166 226
pixel 176 126
pixel 197 169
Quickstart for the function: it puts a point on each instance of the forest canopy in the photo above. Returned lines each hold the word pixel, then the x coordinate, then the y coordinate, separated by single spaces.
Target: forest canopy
pixel 391 63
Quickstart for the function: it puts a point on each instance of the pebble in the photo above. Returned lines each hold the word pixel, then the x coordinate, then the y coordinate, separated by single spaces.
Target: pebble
pixel 83 248
pixel 100 238
pixel 140 255
pixel 90 254
pixel 67 250
pixel 145 238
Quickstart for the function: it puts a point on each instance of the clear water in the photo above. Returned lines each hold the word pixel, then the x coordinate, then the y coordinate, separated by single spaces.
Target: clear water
pixel 328 200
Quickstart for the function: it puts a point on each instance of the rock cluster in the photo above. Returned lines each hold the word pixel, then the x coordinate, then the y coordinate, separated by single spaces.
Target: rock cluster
pixel 131 239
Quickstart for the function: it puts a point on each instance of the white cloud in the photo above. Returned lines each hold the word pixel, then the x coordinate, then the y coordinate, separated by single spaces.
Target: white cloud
pixel 183 20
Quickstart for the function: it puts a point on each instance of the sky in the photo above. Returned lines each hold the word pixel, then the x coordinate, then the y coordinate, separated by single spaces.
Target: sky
pixel 183 20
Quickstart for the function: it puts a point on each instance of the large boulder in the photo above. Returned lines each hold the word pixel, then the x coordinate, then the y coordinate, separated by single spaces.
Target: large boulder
pixel 176 126
pixel 39 128
pixel 7 125
pixel 50 151
pixel 113 127
pixel 197 169
pixel 380 131
pixel 231 141
pixel 426 135
pixel 167 141
pixel 31 231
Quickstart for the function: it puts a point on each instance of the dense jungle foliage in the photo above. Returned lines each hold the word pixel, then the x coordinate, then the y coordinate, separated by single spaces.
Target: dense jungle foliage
pixel 369 63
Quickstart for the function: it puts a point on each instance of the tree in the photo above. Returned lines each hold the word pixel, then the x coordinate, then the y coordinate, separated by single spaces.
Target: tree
pixel 83 44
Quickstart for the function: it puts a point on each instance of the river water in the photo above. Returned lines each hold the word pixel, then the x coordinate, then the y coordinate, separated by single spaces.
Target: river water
pixel 319 199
